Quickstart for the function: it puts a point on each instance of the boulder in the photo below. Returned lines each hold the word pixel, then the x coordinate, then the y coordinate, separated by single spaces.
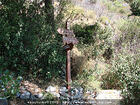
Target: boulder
pixel 25 95
pixel 51 89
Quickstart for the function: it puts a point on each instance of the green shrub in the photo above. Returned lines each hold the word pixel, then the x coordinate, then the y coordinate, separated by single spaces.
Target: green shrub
pixel 84 34
pixel 130 34
pixel 27 42
pixel 9 86
pixel 96 37
pixel 135 7
pixel 127 68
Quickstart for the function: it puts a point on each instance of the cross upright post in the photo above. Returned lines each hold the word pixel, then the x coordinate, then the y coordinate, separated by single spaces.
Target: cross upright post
pixel 68 65
pixel 69 41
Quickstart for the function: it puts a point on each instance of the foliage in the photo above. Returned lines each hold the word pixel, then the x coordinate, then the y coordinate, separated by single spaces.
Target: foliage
pixel 127 68
pixel 67 12
pixel 27 41
pixel 87 80
pixel 110 80
pixel 84 34
pixel 60 9
pixel 135 7
pixel 8 85
pixel 130 34
pixel 115 6
pixel 90 77
pixel 96 36
pixel 130 29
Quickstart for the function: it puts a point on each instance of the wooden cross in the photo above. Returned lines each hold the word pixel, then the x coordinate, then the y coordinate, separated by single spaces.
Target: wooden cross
pixel 69 41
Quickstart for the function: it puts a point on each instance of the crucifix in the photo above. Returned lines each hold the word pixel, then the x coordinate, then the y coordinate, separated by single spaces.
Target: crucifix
pixel 69 41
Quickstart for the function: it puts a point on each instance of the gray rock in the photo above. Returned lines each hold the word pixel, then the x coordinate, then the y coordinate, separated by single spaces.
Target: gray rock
pixel 51 89
pixel 18 95
pixel 4 89
pixel 36 90
pixel 33 97
pixel 25 95
pixel 88 92
pixel 56 94
pixel 63 89
pixel 23 88
pixel 40 95
pixel 74 92
pixel 66 98
pixel 3 101
pixel 81 89
pixel 2 86
pixel 64 94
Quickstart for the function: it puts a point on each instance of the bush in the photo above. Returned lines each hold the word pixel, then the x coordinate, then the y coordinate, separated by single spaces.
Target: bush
pixel 130 34
pixel 9 86
pixel 95 37
pixel 84 34
pixel 135 7
pixel 127 68
pixel 27 42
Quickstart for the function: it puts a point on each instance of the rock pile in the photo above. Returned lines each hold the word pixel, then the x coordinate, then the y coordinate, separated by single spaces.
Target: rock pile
pixel 77 97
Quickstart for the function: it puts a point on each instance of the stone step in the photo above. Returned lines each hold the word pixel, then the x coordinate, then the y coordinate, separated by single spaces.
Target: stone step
pixel 109 94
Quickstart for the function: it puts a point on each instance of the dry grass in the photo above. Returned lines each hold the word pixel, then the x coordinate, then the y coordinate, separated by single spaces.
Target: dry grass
pixel 78 62
pixel 82 66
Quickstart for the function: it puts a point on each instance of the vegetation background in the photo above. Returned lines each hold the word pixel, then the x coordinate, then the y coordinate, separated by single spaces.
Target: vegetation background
pixel 107 56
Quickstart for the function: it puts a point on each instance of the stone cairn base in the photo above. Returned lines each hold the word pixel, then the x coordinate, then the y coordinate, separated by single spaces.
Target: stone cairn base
pixel 74 97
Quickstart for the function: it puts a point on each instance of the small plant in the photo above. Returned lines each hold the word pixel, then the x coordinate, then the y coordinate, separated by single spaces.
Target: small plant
pixel 9 86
